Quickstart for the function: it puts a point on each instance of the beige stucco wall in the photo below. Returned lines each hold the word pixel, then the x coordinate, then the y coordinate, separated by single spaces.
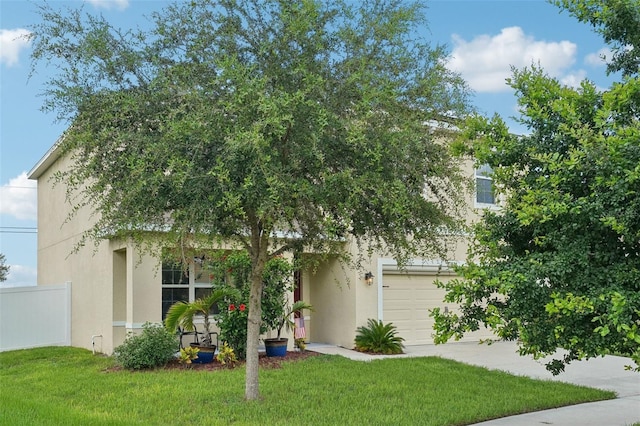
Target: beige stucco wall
pixel 136 292
pixel 146 290
pixel 332 292
pixel 366 297
pixel 60 259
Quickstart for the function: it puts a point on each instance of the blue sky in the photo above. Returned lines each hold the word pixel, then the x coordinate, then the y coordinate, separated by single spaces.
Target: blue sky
pixel 484 38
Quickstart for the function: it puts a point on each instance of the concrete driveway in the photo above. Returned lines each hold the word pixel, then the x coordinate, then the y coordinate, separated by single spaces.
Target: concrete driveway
pixel 604 373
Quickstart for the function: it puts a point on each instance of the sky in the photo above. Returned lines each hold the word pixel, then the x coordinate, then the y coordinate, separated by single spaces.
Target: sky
pixel 485 39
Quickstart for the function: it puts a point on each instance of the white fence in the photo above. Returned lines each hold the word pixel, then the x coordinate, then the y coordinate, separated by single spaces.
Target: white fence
pixel 35 316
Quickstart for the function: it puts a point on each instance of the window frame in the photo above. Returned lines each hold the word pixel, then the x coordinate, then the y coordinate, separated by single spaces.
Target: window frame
pixel 192 284
pixel 484 173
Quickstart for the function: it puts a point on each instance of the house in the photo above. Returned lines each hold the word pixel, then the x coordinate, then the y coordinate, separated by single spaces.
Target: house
pixel 116 288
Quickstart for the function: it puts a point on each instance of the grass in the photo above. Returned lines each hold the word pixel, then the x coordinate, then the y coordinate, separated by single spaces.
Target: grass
pixel 61 385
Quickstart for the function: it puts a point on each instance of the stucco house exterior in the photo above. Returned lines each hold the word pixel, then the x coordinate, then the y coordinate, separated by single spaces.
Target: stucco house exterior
pixel 116 288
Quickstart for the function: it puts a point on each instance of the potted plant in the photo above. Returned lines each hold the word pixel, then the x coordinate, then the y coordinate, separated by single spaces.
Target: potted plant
pixel 231 269
pixel 278 346
pixel 182 314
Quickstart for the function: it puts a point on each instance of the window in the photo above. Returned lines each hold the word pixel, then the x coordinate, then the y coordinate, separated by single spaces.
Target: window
pixel 484 186
pixel 184 284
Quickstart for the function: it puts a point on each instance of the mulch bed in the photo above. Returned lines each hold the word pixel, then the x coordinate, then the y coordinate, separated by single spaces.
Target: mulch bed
pixel 265 362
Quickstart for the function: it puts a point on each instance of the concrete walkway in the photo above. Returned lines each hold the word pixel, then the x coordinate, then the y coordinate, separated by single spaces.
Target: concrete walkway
pixel 604 373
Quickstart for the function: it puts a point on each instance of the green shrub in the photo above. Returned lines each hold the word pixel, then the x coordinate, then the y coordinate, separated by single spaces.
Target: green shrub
pixel 226 356
pixel 378 338
pixel 232 269
pixel 155 347
pixel 232 322
pixel 187 355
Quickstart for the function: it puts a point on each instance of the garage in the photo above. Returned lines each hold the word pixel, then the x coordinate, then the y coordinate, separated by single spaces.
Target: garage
pixel 407 299
pixel 409 295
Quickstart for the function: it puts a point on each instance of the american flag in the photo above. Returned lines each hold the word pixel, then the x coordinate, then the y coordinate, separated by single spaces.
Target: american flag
pixel 299 332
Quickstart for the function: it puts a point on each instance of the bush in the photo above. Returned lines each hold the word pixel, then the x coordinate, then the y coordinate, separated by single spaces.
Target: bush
pixel 232 323
pixel 226 356
pixel 233 269
pixel 378 338
pixel 155 347
pixel 187 355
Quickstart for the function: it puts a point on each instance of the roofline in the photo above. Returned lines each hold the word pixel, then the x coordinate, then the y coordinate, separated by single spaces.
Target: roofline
pixel 46 161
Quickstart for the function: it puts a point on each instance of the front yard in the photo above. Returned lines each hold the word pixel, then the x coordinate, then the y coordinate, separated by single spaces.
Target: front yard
pixel 59 385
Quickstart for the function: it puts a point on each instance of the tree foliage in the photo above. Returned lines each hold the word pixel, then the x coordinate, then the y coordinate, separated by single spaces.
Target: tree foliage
pixel 4 268
pixel 559 266
pixel 277 125
pixel 618 21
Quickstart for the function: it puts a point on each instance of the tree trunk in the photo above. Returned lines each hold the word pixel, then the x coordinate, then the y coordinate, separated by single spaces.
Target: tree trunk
pixel 258 261
pixel 206 334
pixel 253 334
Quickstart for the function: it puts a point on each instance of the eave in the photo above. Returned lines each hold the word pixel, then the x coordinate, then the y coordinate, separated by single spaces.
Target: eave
pixel 50 157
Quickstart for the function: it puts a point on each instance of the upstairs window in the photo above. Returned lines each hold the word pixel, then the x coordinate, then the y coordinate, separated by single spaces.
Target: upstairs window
pixel 484 186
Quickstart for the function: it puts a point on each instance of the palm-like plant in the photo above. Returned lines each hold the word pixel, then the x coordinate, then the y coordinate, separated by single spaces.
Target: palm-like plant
pixel 285 319
pixel 378 337
pixel 182 314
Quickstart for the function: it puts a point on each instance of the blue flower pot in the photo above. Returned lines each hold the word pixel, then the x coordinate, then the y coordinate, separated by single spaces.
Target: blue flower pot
pixel 205 355
pixel 276 347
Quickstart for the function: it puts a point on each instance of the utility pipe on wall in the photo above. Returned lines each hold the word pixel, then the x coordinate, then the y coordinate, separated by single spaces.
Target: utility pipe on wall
pixel 93 342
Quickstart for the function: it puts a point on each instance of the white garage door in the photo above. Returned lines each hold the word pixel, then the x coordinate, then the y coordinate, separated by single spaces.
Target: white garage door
pixel 407 300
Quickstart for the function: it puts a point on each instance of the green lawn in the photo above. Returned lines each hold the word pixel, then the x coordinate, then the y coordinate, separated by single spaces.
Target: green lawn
pixel 70 386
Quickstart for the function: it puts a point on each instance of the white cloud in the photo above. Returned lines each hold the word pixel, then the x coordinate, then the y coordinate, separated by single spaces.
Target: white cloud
pixel 110 4
pixel 574 79
pixel 20 276
pixel 599 58
pixel 12 42
pixel 485 62
pixel 18 198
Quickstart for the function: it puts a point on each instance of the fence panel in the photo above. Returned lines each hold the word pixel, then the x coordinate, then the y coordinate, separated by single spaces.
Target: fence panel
pixel 35 316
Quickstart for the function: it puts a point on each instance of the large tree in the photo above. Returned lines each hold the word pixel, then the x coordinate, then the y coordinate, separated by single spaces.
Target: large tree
pixel 558 267
pixel 275 125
